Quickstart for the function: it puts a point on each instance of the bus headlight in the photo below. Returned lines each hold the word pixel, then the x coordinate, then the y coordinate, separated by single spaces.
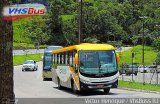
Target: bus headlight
pixel 84 81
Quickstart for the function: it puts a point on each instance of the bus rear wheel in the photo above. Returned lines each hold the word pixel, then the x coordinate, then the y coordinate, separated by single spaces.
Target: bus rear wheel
pixel 106 90
pixel 59 84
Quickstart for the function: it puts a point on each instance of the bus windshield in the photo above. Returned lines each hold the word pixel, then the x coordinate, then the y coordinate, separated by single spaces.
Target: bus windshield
pixel 47 61
pixel 97 62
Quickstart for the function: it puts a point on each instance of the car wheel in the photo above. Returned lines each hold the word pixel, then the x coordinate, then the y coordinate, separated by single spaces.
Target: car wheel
pixel 22 70
pixel 106 90
pixel 135 74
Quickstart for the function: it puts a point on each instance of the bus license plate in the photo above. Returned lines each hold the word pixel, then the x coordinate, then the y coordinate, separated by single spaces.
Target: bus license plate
pixel 100 86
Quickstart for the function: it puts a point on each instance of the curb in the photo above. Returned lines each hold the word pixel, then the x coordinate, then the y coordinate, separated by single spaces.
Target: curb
pixel 139 90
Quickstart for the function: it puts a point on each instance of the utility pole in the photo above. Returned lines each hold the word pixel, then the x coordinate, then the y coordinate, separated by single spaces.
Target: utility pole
pixel 6 63
pixel 132 64
pixel 143 48
pixel 156 63
pixel 80 21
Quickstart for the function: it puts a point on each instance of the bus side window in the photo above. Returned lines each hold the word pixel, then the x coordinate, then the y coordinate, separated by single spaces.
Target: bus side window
pixel 67 58
pixel 55 58
pixel 70 58
pixel 58 58
pixel 61 56
pixel 64 58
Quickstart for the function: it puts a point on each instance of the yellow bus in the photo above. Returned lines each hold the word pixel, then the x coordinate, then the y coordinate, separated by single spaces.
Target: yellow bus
pixel 86 66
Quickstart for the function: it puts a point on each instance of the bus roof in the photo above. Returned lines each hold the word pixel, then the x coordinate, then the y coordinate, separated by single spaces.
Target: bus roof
pixel 50 48
pixel 86 46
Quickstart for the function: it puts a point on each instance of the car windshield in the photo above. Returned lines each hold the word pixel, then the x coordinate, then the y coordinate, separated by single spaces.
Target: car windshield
pixel 29 62
pixel 97 62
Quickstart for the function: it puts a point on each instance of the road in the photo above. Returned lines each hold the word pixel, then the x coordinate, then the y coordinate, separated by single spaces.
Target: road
pixel 152 78
pixel 122 49
pixel 29 84
pixel 28 51
pixel 35 51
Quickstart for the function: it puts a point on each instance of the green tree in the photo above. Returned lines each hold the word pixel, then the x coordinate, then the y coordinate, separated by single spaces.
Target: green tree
pixel 156 44
pixel 158 59
pixel 35 30
pixel 54 22
pixel 69 28
pixel 100 22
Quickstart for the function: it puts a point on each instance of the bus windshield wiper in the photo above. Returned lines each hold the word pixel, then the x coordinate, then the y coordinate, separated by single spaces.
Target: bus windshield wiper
pixel 99 64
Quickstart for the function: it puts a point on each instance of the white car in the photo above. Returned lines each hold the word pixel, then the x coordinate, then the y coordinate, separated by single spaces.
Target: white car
pixel 158 68
pixel 30 65
pixel 151 69
pixel 141 69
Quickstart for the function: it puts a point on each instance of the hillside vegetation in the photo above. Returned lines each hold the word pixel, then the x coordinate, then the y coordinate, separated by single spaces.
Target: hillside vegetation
pixel 149 55
pixel 103 21
pixel 19 35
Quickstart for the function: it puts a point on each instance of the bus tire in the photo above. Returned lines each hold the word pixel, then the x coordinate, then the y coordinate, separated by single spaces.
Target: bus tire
pixel 106 90
pixel 44 79
pixel 59 83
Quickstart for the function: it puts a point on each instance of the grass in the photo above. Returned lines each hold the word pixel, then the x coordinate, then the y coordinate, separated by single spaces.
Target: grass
pixel 149 55
pixel 137 85
pixel 19 59
pixel 26 46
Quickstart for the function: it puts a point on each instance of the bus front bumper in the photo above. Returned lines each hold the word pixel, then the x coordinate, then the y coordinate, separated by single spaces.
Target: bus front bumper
pixel 47 74
pixel 99 85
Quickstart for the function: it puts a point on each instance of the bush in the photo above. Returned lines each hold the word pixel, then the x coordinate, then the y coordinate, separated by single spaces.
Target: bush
pixel 91 40
pixel 117 44
pixel 156 43
pixel 158 59
pixel 26 46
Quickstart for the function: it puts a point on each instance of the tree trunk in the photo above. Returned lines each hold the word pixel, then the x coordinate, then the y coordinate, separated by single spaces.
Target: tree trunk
pixel 6 63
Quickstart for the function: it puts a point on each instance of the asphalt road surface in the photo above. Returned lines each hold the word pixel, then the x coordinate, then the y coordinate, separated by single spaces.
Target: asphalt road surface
pixel 153 78
pixel 29 84
pixel 35 51
pixel 28 51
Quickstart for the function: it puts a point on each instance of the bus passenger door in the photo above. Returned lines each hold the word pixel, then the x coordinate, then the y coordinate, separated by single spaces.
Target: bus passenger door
pixel 75 76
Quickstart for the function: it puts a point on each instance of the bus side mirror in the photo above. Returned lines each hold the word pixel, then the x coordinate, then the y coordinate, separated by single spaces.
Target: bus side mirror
pixel 76 58
pixel 117 57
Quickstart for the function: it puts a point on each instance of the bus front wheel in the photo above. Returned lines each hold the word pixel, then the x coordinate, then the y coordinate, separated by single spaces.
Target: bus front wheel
pixel 106 90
